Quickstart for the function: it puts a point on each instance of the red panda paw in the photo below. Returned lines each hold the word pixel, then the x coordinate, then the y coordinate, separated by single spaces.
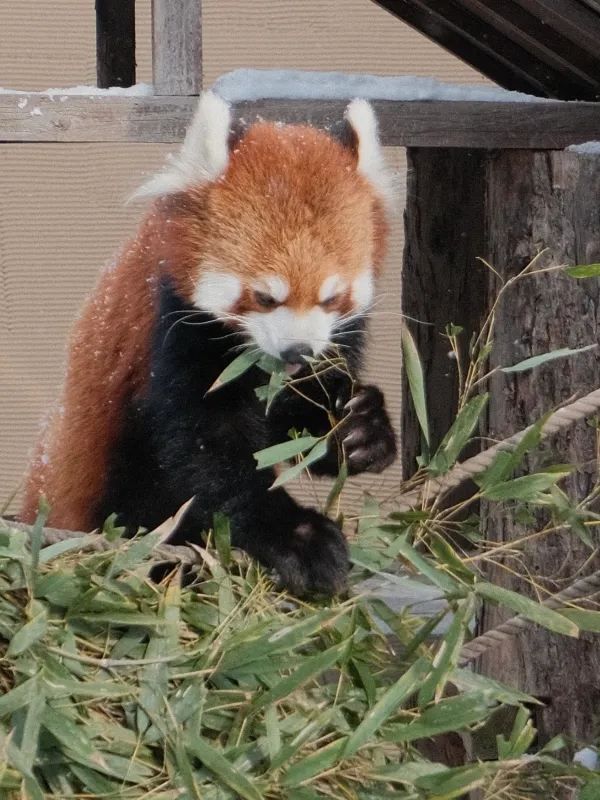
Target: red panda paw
pixel 368 439
pixel 313 559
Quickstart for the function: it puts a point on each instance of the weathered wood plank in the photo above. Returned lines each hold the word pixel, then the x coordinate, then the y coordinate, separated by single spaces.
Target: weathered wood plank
pixel 436 123
pixel 177 47
pixel 115 43
pixel 536 200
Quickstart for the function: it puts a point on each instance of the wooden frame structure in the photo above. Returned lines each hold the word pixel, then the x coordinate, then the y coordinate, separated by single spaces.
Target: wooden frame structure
pixel 465 157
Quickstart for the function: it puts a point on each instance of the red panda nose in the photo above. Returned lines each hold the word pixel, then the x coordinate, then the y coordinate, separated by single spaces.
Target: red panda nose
pixel 295 354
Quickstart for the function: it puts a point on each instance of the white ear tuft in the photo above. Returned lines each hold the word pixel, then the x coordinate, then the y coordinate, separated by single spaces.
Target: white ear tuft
pixel 371 163
pixel 204 153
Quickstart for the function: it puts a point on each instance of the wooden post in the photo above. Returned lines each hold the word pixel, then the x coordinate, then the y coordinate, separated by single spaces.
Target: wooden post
pixel 115 43
pixel 537 200
pixel 505 207
pixel 442 281
pixel 177 47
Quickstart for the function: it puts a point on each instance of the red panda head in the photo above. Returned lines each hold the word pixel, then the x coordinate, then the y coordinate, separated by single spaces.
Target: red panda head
pixel 280 234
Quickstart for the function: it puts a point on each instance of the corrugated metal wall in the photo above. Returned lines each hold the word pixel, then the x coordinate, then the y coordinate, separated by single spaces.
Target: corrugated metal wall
pixel 62 212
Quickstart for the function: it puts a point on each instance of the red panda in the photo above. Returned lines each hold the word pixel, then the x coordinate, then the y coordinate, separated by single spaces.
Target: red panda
pixel 273 237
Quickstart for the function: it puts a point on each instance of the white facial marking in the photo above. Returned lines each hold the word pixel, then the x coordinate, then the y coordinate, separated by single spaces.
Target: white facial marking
pixel 363 288
pixel 371 163
pixel 217 292
pixel 332 286
pixel 204 154
pixel 274 286
pixel 277 330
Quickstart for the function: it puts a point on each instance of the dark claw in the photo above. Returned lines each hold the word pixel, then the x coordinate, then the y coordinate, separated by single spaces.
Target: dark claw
pixel 369 440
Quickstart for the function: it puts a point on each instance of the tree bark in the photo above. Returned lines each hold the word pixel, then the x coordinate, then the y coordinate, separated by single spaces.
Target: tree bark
pixel 534 201
pixel 506 206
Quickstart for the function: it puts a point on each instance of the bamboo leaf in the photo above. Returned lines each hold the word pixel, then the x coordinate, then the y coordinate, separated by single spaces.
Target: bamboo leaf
pixel 527 488
pixel 318 452
pixel 239 365
pixel 283 452
pixel 584 271
pixel 309 668
pixel 544 358
pixel 528 608
pixel 457 437
pixel 387 705
pixel 221 768
pixel 416 380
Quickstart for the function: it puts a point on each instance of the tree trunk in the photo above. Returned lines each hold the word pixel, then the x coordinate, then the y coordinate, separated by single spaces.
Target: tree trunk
pixel 539 200
pixel 506 207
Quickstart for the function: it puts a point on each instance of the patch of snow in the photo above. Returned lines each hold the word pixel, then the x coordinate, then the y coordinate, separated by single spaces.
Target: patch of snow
pixel 139 90
pixel 587 757
pixel 36 112
pixel 22 102
pixel 259 84
pixel 585 148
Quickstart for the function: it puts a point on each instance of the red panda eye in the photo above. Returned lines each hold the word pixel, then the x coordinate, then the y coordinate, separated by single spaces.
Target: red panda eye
pixel 265 300
pixel 330 301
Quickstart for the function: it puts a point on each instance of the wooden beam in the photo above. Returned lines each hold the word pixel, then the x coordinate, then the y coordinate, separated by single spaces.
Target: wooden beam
pixel 177 47
pixel 115 43
pixel 490 125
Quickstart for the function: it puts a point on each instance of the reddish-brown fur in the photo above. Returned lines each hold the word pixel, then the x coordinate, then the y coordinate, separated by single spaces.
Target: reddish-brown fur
pixel 290 203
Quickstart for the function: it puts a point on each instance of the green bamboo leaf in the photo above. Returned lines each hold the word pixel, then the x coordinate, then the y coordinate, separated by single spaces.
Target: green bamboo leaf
pixel 458 436
pixel 448 653
pixel 584 618
pixel 544 358
pixel 528 608
pixel 31 728
pixel 425 566
pixel 527 488
pixel 452 714
pixel 387 705
pixel 591 790
pixel 284 451
pixel 222 533
pixel 239 365
pixel 316 763
pixel 584 271
pixel 457 780
pixel 507 461
pixel 68 733
pixel 309 668
pixel 416 380
pixel 468 681
pixel 18 696
pixel 31 632
pixel 221 768
pixel 318 451
pixel 408 773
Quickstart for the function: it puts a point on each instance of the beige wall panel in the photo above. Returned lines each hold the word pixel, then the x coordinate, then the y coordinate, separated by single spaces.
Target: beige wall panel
pixel 61 218
pixel 47 44
pixel 347 35
pixel 52 43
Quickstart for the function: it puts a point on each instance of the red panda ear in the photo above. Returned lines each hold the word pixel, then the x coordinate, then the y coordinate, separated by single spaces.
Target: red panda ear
pixel 204 154
pixel 364 140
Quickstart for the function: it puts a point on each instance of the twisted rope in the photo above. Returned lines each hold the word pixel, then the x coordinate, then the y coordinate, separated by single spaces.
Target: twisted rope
pixel 577 591
pixel 561 419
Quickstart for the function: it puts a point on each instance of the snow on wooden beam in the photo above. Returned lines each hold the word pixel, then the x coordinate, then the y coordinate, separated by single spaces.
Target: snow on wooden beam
pixel 436 123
